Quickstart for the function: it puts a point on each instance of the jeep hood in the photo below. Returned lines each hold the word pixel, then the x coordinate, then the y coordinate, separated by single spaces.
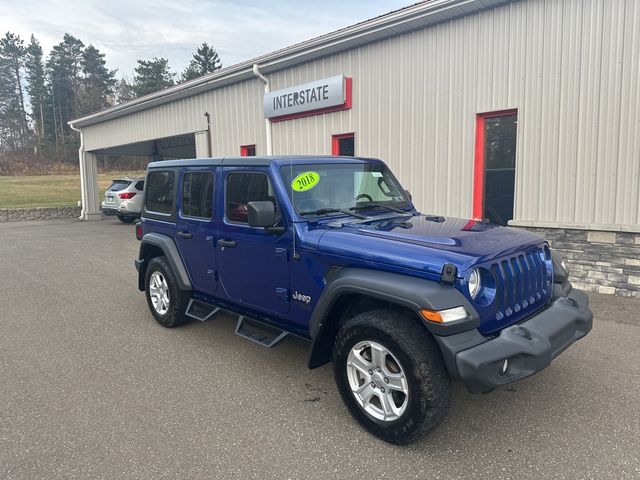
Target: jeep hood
pixel 424 242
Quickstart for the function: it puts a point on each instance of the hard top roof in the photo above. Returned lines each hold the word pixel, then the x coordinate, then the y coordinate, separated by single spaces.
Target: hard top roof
pixel 258 161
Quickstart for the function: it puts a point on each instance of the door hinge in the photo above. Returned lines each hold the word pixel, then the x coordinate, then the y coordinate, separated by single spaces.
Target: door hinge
pixel 282 253
pixel 284 294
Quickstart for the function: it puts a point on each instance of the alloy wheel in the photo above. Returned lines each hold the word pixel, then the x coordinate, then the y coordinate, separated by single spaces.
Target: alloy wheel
pixel 159 293
pixel 377 381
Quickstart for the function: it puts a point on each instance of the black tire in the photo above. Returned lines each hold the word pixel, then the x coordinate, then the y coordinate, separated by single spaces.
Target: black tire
pixel 178 299
pixel 126 219
pixel 428 383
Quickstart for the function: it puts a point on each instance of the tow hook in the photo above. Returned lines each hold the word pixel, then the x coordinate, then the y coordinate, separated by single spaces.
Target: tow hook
pixel 524 332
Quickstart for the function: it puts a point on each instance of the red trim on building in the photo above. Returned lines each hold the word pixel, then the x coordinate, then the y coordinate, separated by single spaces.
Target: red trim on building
pixel 345 106
pixel 248 150
pixel 479 161
pixel 478 171
pixel 335 142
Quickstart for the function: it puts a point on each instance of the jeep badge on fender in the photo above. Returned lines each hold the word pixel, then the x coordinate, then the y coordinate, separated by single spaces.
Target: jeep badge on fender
pixel 400 302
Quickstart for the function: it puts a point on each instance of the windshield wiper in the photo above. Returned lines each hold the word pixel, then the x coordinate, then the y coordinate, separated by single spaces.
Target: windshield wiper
pixel 324 211
pixel 376 204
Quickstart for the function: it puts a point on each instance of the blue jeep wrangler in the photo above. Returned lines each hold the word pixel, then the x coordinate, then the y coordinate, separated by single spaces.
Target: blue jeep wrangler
pixel 332 249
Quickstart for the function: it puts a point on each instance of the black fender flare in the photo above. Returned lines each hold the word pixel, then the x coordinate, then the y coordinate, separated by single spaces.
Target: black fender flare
pixel 410 292
pixel 170 251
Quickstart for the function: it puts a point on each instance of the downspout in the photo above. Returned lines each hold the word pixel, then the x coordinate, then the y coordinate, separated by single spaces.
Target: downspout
pixel 209 148
pixel 267 89
pixel 83 187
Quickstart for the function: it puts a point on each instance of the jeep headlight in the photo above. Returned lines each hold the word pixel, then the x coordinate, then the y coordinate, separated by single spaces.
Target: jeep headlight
pixel 474 283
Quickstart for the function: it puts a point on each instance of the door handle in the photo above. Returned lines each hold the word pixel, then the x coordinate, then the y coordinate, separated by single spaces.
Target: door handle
pixel 226 243
pixel 186 235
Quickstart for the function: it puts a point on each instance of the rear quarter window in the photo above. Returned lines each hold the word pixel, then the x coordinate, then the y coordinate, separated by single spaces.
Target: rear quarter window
pixel 197 194
pixel 160 193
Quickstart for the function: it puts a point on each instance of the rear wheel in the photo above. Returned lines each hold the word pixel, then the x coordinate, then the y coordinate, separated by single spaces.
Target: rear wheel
pixel 166 301
pixel 391 375
pixel 126 218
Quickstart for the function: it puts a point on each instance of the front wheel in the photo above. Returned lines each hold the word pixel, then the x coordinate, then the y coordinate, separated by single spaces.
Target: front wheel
pixel 391 375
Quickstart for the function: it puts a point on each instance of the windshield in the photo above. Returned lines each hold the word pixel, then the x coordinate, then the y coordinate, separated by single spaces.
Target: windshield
pixel 320 189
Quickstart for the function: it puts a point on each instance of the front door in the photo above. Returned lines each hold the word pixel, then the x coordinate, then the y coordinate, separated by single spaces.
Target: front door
pixel 195 227
pixel 253 263
pixel 495 166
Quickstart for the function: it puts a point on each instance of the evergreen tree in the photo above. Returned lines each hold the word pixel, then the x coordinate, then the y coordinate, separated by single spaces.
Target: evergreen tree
pixel 63 70
pixel 98 82
pixel 71 82
pixel 205 60
pixel 151 76
pixel 36 87
pixel 15 128
pixel 124 91
pixel 9 127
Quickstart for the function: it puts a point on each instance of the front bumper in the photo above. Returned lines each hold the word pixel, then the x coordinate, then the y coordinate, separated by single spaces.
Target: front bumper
pixel 528 347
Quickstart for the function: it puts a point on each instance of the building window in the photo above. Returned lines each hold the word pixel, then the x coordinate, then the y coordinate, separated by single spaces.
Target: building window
pixel 197 194
pixel 343 145
pixel 495 166
pixel 248 151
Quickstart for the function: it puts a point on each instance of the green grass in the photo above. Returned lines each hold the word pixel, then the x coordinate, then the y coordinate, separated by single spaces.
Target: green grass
pixel 50 190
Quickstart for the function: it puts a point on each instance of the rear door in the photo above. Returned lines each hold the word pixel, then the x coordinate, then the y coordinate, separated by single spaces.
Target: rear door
pixel 195 226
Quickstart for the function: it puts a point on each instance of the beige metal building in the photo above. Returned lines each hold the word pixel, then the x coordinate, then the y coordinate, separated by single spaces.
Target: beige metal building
pixel 524 112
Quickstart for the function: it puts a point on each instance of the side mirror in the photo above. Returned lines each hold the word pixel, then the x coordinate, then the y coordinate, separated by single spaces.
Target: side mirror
pixel 261 214
pixel 409 195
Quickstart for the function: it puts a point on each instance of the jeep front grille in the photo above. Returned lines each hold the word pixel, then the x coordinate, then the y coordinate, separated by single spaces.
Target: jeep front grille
pixel 521 280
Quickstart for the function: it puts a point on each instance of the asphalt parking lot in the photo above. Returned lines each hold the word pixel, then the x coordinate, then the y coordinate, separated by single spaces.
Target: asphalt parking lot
pixel 92 387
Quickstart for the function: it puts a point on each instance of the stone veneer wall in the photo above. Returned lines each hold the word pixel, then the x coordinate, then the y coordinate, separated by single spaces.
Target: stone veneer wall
pixel 41 213
pixel 604 262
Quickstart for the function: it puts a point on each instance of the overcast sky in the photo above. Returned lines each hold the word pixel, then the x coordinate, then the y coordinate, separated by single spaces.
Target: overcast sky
pixel 127 30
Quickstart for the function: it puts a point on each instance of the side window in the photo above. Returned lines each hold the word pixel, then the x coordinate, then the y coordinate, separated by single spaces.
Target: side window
pixel 245 187
pixel 140 185
pixel 159 194
pixel 197 194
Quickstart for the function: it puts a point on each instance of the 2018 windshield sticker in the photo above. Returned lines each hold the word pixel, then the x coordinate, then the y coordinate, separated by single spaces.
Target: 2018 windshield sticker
pixel 305 181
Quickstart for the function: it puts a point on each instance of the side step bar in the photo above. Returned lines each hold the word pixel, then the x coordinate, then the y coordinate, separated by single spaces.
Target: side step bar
pixel 246 327
pixel 201 311
pixel 258 332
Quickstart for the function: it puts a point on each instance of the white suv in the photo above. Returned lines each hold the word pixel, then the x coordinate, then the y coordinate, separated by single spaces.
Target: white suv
pixel 124 199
